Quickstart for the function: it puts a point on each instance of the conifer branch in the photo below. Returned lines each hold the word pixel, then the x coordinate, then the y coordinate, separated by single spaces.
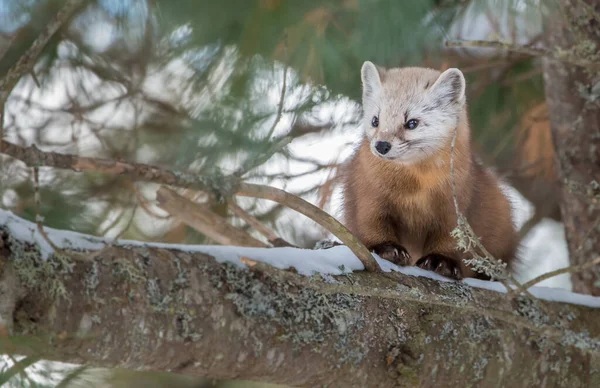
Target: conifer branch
pixel 27 61
pixel 562 56
pixel 224 186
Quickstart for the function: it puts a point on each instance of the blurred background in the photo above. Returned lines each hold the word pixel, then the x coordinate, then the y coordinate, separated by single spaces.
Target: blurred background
pixel 205 85
pixel 267 88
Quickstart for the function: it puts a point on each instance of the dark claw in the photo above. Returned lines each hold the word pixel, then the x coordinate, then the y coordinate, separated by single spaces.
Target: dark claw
pixel 441 265
pixel 397 254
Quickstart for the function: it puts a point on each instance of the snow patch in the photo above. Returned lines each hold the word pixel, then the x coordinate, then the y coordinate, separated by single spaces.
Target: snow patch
pixel 544 250
pixel 28 232
pixel 334 261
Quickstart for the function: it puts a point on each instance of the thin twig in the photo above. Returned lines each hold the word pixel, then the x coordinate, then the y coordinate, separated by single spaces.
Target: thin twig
pixel 530 224
pixel 127 226
pixel 452 172
pixel 99 252
pixel 522 77
pixel 204 220
pixel 225 185
pixel 38 217
pixel 2 110
pixel 281 101
pixel 259 226
pixel 33 156
pixel 532 51
pixel 572 269
pixel 27 61
pixel 106 229
pixel 536 52
pixel 145 204
pixel 7 45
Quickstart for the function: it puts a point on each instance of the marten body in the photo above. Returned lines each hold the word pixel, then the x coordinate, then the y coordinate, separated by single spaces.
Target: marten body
pixel 398 196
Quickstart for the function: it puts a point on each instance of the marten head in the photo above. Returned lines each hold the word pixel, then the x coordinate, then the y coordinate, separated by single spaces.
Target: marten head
pixel 410 113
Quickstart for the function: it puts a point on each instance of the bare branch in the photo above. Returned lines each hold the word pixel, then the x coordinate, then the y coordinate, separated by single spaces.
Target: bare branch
pixel 259 226
pixel 224 185
pixel 33 156
pixel 532 51
pixel 530 224
pixel 315 214
pixel 38 217
pixel 281 101
pixel 301 128
pixel 551 274
pixel 6 44
pixel 201 218
pixel 27 61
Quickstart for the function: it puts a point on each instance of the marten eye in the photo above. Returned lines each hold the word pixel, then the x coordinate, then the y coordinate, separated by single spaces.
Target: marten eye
pixel 411 124
pixel 375 121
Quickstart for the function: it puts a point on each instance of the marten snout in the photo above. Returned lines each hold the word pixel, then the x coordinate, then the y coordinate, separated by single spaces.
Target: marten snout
pixel 383 147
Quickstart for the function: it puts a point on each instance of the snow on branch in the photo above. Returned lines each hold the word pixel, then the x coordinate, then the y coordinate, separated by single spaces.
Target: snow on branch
pixel 338 260
pixel 234 312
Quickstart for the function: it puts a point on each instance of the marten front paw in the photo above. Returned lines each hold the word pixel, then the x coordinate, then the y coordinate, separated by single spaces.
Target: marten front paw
pixel 441 265
pixel 397 254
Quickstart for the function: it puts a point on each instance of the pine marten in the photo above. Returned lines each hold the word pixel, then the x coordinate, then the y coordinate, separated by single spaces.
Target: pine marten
pixel 398 197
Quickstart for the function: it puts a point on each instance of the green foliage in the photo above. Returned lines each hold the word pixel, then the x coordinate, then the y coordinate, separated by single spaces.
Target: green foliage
pixel 196 85
pixel 325 41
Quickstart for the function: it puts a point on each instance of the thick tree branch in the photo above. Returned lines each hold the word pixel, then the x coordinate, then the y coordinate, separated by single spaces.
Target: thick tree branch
pixel 166 309
pixel 32 156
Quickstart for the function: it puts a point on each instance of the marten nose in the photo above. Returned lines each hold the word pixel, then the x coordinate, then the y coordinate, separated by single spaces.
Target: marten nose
pixel 383 147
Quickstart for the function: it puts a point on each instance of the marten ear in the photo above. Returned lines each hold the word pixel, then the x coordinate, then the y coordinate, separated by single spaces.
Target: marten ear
pixel 371 76
pixel 450 87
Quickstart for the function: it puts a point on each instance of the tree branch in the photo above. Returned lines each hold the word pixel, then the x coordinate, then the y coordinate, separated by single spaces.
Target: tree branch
pixel 572 269
pixel 27 61
pixel 166 309
pixel 569 58
pixel 259 226
pixel 226 186
pixel 204 220
pixel 315 214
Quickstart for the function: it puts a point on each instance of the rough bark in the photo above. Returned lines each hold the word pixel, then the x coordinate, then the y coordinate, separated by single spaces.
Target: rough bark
pixel 169 310
pixel 573 97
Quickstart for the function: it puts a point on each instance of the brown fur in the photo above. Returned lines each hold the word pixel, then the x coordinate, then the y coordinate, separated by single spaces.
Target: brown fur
pixel 412 205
